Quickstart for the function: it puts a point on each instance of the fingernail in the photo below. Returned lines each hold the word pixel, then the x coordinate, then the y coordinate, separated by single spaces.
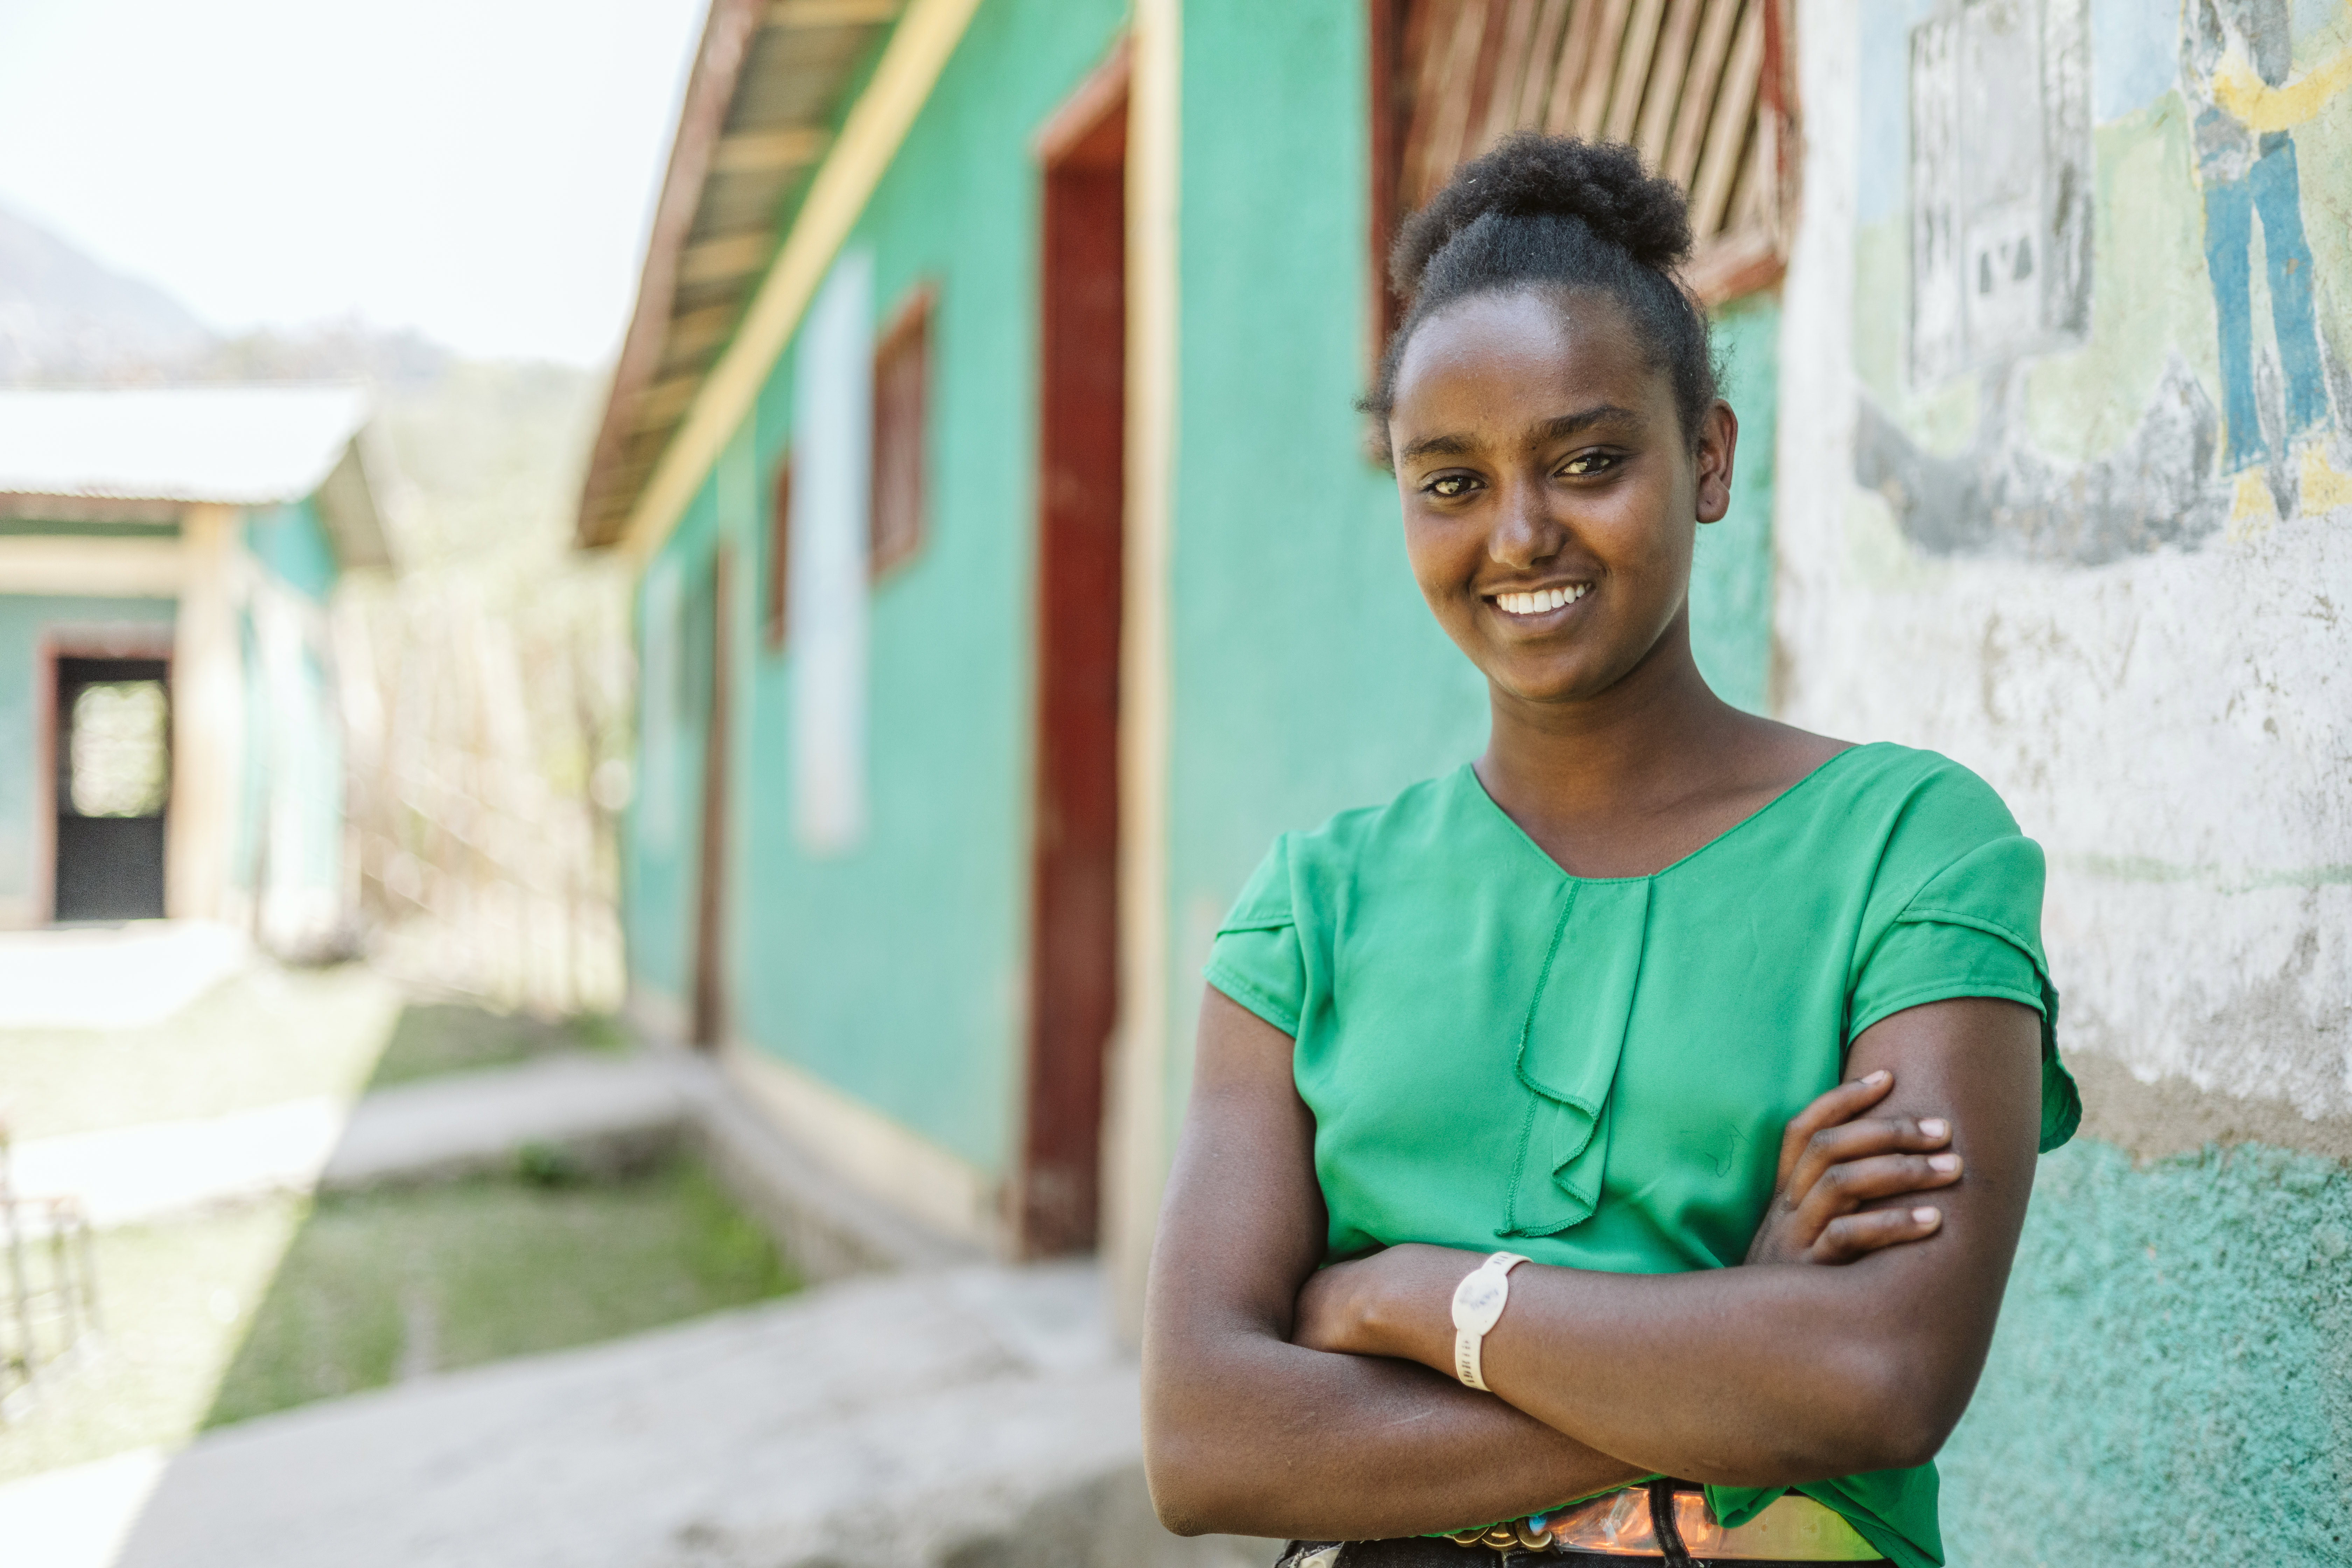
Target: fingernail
pixel 1927 1216
pixel 1946 1163
pixel 1880 1076
pixel 1935 1127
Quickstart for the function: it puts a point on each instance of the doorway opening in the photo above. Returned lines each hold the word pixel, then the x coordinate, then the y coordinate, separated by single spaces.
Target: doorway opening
pixel 111 755
pixel 1081 486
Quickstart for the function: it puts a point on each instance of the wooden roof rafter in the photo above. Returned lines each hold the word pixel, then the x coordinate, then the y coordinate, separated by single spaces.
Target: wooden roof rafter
pixel 1701 89
pixel 767 87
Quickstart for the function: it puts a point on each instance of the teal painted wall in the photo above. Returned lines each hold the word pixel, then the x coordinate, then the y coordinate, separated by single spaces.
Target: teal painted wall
pixel 1309 675
pixel 2172 1378
pixel 289 814
pixel 662 826
pixel 290 823
pixel 291 541
pixel 897 972
pixel 1731 573
pixel 25 620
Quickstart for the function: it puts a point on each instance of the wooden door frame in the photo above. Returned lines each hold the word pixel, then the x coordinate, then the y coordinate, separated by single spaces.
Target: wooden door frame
pixel 52 646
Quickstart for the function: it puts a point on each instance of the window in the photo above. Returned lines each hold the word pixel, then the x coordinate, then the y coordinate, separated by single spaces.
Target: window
pixel 118 750
pixel 832 534
pixel 1698 86
pixel 776 583
pixel 901 391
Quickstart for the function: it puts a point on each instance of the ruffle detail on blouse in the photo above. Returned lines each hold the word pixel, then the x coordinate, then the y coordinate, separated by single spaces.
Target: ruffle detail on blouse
pixel 1568 1047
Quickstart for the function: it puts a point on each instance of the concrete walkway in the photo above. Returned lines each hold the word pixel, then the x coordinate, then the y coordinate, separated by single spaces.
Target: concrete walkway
pixel 112 977
pixel 128 1175
pixel 970 1419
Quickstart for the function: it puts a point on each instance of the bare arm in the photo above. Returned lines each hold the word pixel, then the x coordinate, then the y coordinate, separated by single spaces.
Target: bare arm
pixel 1778 1373
pixel 1247 1432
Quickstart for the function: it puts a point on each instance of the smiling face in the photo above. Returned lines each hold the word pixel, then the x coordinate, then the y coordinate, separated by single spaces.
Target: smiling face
pixel 1552 496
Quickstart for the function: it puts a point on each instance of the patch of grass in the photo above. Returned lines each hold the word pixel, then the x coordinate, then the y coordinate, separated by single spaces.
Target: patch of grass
pixel 175 1299
pixel 381 1285
pixel 242 1312
pixel 437 1037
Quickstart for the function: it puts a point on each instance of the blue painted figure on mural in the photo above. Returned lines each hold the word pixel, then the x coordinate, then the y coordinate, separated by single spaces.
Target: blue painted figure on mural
pixel 2236 57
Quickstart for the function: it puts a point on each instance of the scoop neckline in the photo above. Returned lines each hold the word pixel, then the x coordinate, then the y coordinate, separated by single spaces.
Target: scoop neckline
pixel 1478 787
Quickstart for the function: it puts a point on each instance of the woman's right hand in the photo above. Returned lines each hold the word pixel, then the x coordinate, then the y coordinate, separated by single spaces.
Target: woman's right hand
pixel 1833 1160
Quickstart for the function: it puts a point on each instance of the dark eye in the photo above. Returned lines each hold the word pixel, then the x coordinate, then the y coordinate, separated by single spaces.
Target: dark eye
pixel 1585 464
pixel 1450 486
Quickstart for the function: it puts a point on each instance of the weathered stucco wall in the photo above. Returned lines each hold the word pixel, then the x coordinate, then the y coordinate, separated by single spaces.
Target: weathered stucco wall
pixel 2138 646
pixel 2019 525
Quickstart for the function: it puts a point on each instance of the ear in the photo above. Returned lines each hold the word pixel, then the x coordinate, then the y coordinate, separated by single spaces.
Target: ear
pixel 1718 438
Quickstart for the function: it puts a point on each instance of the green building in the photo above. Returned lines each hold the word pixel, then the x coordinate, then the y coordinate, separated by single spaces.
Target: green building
pixel 166 658
pixel 1011 571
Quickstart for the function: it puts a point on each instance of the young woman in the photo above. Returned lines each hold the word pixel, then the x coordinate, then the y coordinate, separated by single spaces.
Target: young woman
pixel 1680 1010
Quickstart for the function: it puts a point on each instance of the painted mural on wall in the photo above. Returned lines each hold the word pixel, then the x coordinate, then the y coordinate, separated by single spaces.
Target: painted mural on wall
pixel 2104 270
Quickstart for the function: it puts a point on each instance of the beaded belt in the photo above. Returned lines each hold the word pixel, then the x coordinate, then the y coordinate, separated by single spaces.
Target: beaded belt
pixel 1626 1523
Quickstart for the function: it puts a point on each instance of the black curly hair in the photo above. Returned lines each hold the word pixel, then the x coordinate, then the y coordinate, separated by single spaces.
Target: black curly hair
pixel 1553 213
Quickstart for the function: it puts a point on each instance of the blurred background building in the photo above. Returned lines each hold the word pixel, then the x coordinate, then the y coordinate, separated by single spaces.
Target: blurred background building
pixel 168 559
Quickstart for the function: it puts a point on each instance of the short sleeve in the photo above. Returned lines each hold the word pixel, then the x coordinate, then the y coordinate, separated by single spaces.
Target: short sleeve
pixel 1257 958
pixel 1974 929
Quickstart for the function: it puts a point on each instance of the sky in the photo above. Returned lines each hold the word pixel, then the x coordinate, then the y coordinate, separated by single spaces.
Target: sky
pixel 482 171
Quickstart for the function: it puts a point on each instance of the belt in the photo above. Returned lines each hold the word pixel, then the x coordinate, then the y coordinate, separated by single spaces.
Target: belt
pixel 1629 1523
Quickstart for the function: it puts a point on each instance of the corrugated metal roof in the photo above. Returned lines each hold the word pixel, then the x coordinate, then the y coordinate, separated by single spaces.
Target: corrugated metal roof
pixel 238 446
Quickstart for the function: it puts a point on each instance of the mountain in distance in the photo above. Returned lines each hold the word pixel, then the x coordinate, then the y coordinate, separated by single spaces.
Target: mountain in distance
pixel 488 454
pixel 68 320
pixel 64 317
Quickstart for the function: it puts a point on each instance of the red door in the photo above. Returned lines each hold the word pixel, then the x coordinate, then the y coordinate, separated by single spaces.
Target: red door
pixel 1073 936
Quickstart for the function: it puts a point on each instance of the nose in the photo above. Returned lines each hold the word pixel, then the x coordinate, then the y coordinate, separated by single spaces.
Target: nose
pixel 1525 530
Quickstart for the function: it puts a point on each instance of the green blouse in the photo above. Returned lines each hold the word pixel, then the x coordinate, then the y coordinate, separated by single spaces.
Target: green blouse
pixel 1595 1072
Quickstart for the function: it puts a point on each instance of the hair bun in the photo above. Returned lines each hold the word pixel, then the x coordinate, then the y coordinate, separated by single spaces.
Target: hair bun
pixel 1526 176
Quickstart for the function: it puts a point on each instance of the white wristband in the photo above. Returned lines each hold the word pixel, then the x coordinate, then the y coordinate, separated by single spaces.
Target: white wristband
pixel 1478 1303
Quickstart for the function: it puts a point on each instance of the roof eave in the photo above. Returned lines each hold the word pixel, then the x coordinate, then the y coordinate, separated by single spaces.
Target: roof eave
pixel 711 90
pixel 347 504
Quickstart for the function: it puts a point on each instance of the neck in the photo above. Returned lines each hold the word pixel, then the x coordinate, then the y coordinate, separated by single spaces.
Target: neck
pixel 1654 738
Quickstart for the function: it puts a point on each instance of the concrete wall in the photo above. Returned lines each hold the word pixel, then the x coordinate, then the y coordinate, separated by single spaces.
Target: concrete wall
pixel 2019 525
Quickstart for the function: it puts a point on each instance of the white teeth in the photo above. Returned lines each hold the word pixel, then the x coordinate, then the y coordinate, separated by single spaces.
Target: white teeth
pixel 1541 602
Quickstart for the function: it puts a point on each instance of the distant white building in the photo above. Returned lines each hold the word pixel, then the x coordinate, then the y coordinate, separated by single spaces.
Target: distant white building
pixel 166 559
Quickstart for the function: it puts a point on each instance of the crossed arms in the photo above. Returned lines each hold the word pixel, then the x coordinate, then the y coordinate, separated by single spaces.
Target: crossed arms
pixel 1281 1401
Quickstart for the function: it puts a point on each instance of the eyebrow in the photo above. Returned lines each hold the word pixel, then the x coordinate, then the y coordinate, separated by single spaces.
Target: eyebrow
pixel 1549 430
